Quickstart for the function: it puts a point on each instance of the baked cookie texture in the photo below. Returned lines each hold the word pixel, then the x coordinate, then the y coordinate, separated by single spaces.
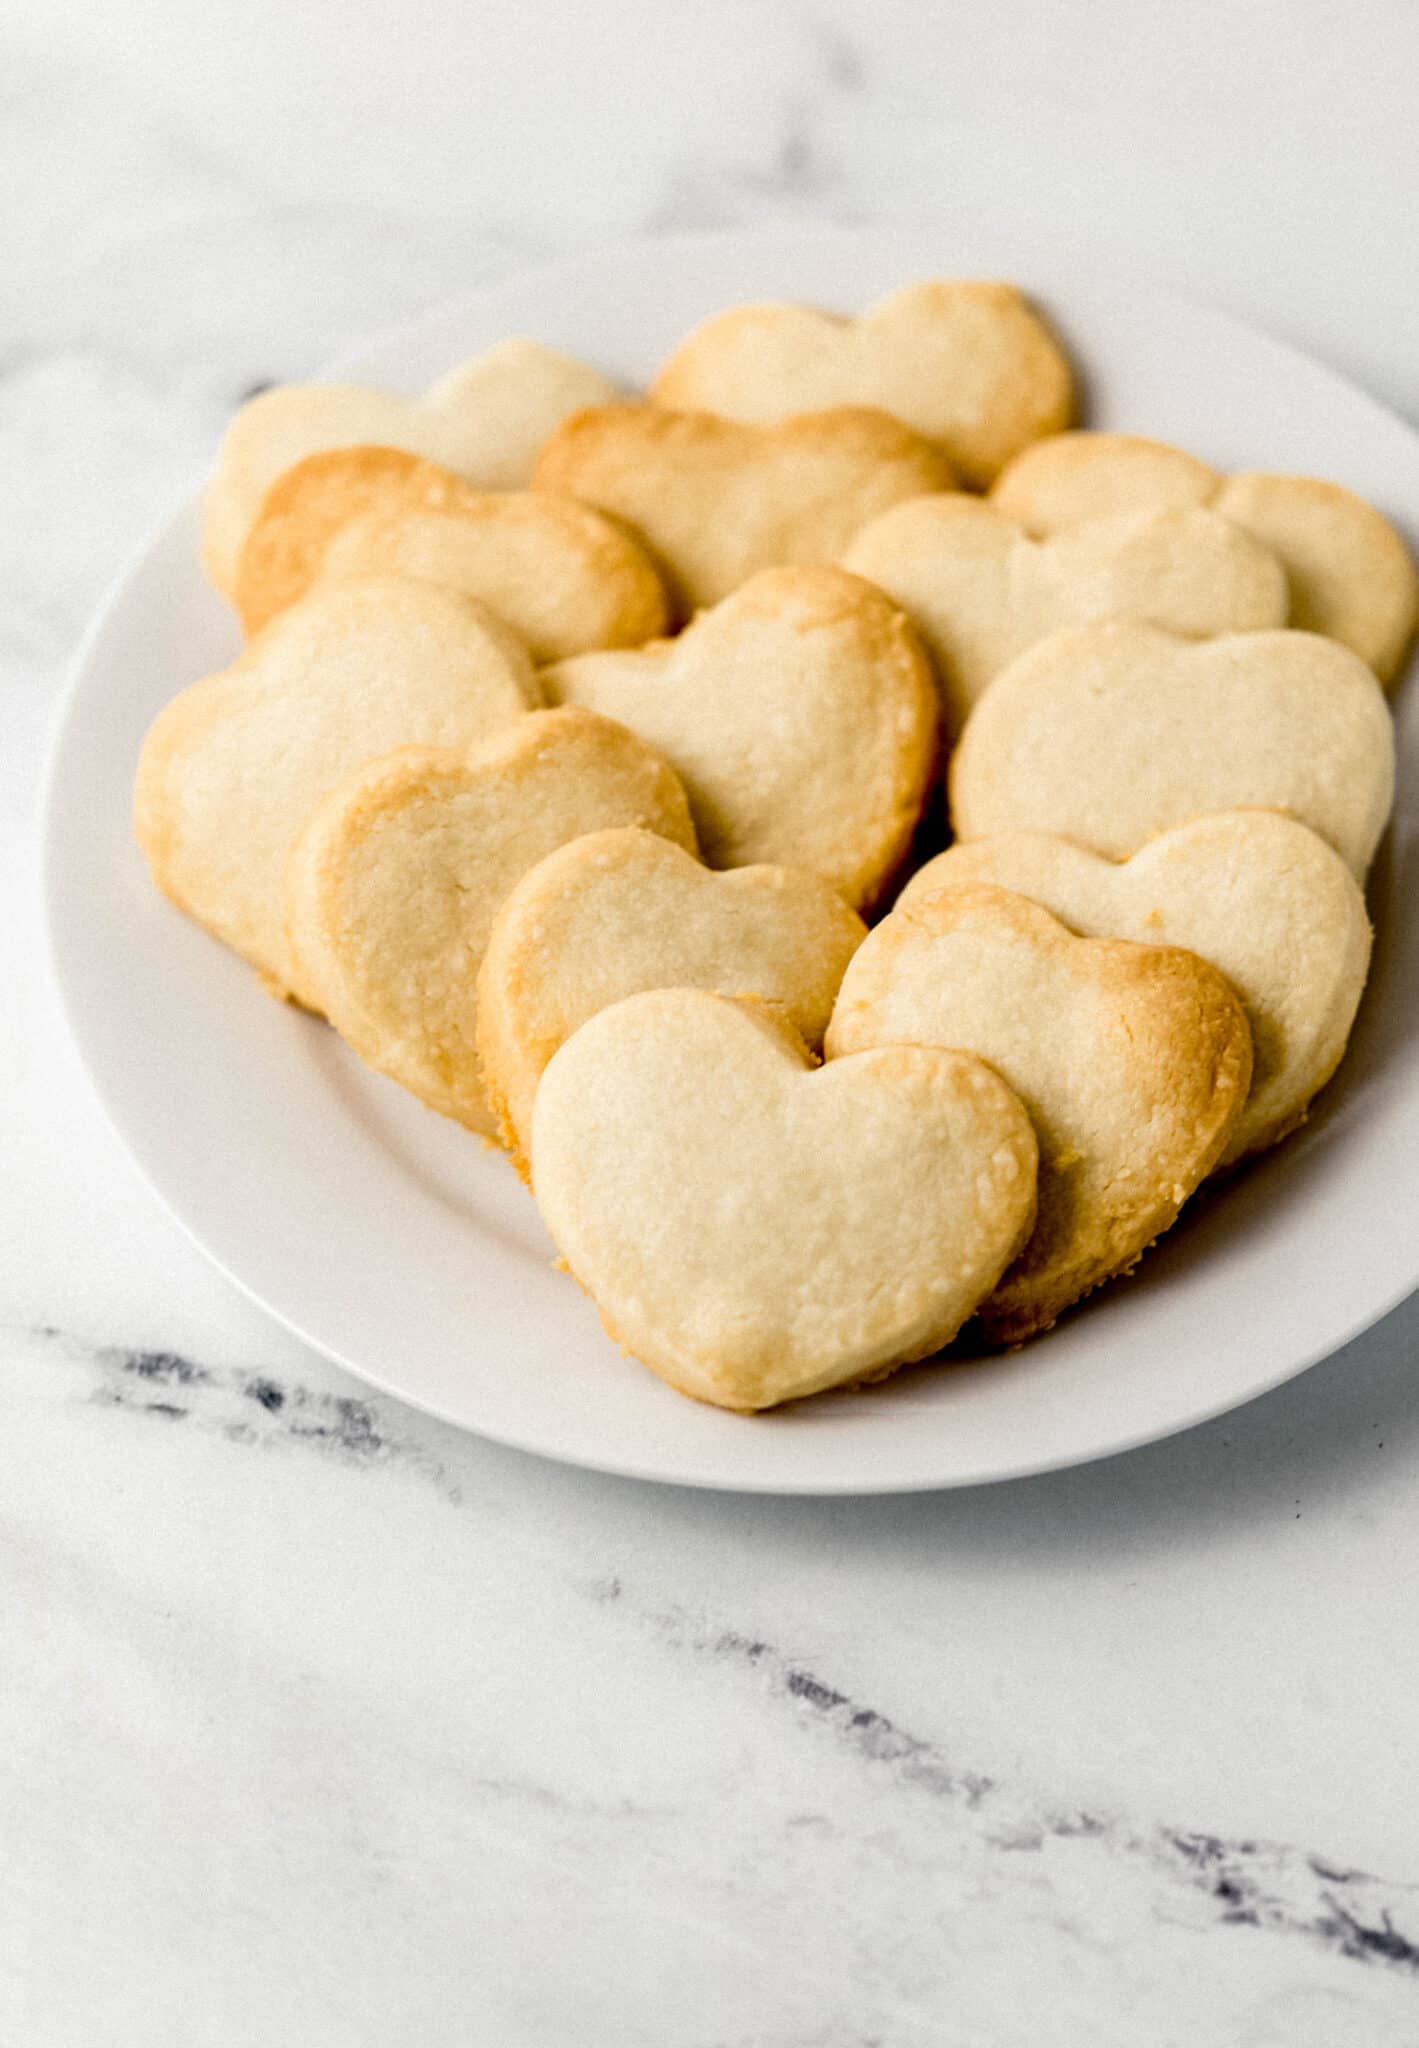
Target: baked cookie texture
pixel 619 912
pixel 800 715
pixel 558 573
pixel 755 1229
pixel 233 766
pixel 1256 894
pixel 716 501
pixel 1351 575
pixel 486 419
pixel 981 592
pixel 393 884
pixel 1111 733
pixel 1134 1063
pixel 969 364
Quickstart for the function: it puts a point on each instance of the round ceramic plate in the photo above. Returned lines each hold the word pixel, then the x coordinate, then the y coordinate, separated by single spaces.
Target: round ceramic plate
pixel 398 1245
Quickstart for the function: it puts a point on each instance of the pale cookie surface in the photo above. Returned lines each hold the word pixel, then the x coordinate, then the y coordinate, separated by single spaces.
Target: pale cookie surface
pixel 1089 475
pixel 392 887
pixel 232 768
pixel 619 912
pixel 754 1229
pixel 558 573
pixel 1258 895
pixel 716 501
pixel 1133 1061
pixel 800 715
pixel 486 419
pixel 1350 574
pixel 968 364
pixel 981 591
pixel 1112 733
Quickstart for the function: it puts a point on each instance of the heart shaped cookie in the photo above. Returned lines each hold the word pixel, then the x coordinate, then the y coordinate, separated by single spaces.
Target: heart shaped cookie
pixel 486 419
pixel 801 716
pixel 559 574
pixel 755 1229
pixel 618 912
pixel 393 885
pixel 716 501
pixel 1255 893
pixel 1351 576
pixel 1087 475
pixel 1111 733
pixel 1133 1061
pixel 968 364
pixel 232 768
pixel 981 592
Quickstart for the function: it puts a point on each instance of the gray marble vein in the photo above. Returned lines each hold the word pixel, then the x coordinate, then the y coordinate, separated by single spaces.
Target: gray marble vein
pixel 1270 1887
pixel 1265 1885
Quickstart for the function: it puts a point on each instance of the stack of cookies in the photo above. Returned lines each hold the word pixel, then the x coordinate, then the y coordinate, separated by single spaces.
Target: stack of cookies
pixel 579 736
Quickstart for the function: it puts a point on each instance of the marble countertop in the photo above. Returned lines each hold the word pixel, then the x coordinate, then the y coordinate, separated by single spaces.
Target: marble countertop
pixel 323 1725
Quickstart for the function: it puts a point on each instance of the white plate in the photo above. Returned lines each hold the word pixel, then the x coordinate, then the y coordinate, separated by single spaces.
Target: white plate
pixel 393 1242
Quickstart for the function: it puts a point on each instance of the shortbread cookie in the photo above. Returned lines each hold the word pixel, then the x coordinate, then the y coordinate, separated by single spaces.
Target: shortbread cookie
pixel 754 1229
pixel 980 591
pixel 716 501
pixel 1255 893
pixel 1088 475
pixel 1133 1061
pixel 618 912
pixel 392 887
pixel 486 419
pixel 1111 733
pixel 970 365
pixel 800 715
pixel 1351 576
pixel 232 768
pixel 558 573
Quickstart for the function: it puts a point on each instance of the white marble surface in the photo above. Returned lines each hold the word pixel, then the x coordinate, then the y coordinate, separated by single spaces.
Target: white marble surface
pixel 322 1725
